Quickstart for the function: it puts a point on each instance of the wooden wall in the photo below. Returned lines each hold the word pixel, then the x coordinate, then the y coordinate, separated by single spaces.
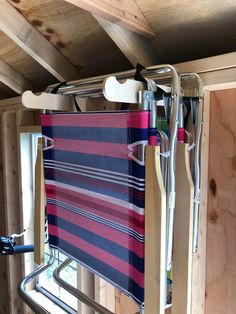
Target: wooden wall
pixel 221 224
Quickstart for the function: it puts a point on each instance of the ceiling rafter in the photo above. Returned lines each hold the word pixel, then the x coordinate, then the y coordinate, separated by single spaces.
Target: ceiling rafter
pixel 14 80
pixel 26 36
pixel 136 48
pixel 124 13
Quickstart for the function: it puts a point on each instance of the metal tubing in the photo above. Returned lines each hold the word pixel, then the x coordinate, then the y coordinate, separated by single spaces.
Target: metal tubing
pixel 164 148
pixel 199 124
pixel 91 87
pixel 77 293
pixel 198 131
pixel 37 308
pixel 175 97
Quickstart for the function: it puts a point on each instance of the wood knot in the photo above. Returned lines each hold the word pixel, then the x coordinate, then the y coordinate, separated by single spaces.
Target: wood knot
pixel 213 187
pixel 50 31
pixel 60 44
pixel 213 216
pixel 234 163
pixel 37 23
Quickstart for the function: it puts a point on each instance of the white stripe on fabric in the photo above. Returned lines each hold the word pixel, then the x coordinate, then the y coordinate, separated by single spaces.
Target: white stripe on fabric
pixel 95 177
pixel 94 217
pixel 99 196
pixel 100 175
pixel 103 171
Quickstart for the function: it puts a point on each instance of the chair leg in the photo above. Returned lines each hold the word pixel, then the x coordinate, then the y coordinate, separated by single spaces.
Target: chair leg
pixel 77 293
pixel 37 308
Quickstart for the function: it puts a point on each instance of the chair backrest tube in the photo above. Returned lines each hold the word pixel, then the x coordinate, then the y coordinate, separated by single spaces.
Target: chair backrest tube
pixel 77 293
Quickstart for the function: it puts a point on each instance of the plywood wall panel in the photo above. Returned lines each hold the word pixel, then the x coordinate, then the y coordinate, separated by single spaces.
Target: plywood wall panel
pixel 188 30
pixel 221 226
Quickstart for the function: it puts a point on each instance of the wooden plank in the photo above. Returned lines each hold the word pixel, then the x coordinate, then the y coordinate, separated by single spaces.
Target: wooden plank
pixel 183 234
pixel 124 304
pixel 122 12
pixel 31 129
pixel 36 45
pixel 125 92
pixel 85 283
pixel 12 205
pixel 210 64
pixel 136 48
pixel 13 103
pixel 221 231
pixel 199 258
pixel 155 234
pixel 39 207
pixel 47 101
pixel 105 294
pixel 4 295
pixel 13 79
pixel 220 86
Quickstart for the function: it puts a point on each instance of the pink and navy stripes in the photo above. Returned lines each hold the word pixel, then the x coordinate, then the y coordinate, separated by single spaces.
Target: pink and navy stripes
pixel 95 193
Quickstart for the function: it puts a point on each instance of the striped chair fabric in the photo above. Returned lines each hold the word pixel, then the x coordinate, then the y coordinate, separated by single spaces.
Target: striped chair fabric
pixel 95 192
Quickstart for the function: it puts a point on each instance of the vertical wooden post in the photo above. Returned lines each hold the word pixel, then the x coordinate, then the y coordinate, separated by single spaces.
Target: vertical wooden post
pixel 4 295
pixel 85 283
pixel 39 214
pixel 199 258
pixel 155 234
pixel 12 204
pixel 183 234
pixel 221 223
pixel 105 293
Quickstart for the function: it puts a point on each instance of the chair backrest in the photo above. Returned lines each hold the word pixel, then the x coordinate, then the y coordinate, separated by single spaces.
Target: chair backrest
pixel 95 185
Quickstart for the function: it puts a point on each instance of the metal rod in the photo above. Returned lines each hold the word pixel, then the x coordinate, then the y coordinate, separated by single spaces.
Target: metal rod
pixel 175 97
pixel 92 87
pixel 199 124
pixel 27 298
pixel 77 293
pixel 198 131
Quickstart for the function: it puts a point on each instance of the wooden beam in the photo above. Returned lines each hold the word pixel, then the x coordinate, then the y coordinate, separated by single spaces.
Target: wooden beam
pixel 221 231
pixel 39 207
pixel 213 70
pixel 183 234
pixel 4 295
pixel 16 27
pixel 199 258
pixel 13 79
pixel 124 13
pixel 155 234
pixel 136 48
pixel 216 63
pixel 12 204
pixel 11 104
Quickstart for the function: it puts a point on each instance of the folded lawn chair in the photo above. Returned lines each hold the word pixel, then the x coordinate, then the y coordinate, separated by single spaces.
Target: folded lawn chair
pixel 95 181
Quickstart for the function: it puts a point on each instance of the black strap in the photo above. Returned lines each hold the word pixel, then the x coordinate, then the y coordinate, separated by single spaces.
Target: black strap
pixel 55 90
pixel 138 76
